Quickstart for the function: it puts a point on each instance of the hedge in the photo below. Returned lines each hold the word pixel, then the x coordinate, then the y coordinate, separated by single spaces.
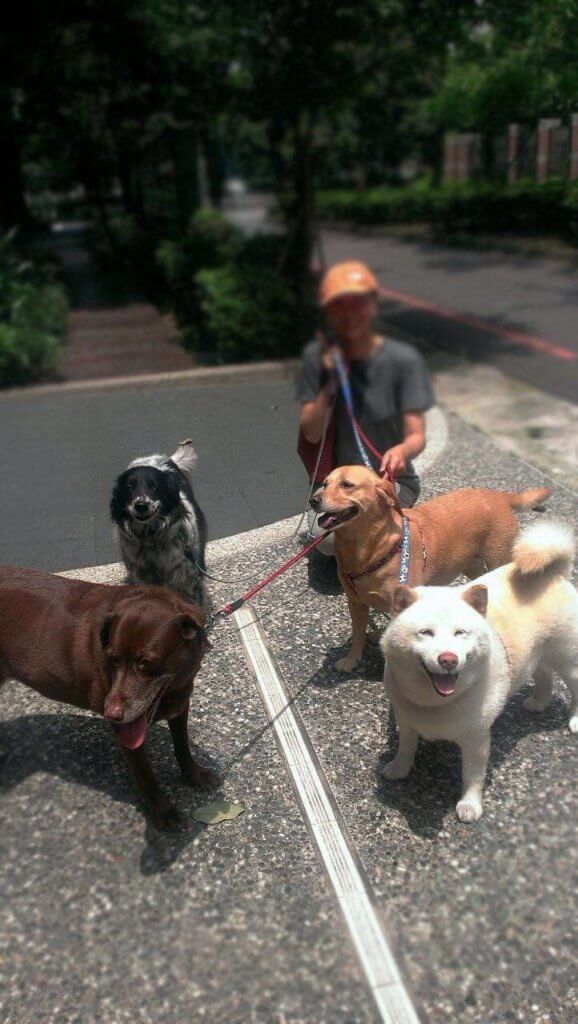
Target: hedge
pixel 229 299
pixel 524 208
pixel 33 314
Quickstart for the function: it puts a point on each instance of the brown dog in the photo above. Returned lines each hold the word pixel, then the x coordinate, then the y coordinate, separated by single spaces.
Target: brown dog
pixel 129 653
pixel 467 531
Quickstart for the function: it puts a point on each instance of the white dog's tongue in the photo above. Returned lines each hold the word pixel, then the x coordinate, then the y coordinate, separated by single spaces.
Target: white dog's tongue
pixel 133 733
pixel 444 685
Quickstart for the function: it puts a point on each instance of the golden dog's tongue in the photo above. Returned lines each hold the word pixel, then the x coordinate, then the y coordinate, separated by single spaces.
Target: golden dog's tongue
pixel 133 733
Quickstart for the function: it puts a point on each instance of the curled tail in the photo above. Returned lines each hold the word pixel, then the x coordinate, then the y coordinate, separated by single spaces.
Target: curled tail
pixel 185 457
pixel 545 546
pixel 534 498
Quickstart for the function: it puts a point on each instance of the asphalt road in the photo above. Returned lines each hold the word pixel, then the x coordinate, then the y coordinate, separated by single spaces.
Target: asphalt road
pixel 487 292
pixel 104 921
pixel 62 451
pixel 490 296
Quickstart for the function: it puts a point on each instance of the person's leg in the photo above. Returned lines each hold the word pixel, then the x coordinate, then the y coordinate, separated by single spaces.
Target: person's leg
pixel 327 547
pixel 407 497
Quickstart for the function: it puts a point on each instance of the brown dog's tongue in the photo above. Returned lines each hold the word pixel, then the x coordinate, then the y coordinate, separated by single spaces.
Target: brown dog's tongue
pixel 133 733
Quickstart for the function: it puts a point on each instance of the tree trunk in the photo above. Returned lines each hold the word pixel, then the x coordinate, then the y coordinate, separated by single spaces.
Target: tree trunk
pixel 131 193
pixel 13 209
pixel 275 134
pixel 187 184
pixel 437 158
pixel 487 156
pixel 302 226
pixel 212 151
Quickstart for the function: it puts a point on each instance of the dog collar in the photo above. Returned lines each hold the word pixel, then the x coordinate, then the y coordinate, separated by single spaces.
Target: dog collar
pixel 402 546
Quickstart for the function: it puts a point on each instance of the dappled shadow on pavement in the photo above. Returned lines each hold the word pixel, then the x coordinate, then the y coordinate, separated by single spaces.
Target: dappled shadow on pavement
pixel 433 786
pixel 79 749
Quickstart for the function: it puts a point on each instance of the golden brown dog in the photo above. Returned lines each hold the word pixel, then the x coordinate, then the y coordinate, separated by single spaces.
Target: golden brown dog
pixel 468 531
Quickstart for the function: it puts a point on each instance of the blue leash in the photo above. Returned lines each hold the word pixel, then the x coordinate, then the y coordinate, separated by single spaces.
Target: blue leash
pixel 347 398
pixel 404 554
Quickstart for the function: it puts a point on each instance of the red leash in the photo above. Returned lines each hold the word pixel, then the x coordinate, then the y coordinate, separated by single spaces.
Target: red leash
pixel 231 606
pixel 374 452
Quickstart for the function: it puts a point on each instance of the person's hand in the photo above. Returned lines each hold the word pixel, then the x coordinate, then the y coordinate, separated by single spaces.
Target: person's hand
pixel 394 461
pixel 326 360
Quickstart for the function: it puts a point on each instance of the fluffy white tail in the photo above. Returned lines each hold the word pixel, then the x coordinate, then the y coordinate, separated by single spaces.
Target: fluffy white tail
pixel 185 457
pixel 546 545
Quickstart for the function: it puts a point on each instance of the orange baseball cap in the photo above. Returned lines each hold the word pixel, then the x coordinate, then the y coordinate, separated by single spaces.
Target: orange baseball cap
pixel 350 278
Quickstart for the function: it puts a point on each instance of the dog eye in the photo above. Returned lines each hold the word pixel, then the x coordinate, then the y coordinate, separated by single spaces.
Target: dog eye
pixel 460 632
pixel 426 632
pixel 144 666
pixel 347 484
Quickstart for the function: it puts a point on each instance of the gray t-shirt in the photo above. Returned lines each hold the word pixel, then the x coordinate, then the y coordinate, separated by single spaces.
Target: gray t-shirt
pixel 393 380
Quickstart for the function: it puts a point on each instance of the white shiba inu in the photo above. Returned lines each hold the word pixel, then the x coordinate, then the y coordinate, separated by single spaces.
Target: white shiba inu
pixel 455 654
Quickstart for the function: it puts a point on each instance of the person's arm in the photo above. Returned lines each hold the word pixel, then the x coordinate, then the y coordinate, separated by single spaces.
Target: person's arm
pixel 413 428
pixel 312 415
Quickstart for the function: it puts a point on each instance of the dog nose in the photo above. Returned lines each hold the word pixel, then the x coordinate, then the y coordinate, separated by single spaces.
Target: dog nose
pixel 114 710
pixel 315 502
pixel 141 505
pixel 448 661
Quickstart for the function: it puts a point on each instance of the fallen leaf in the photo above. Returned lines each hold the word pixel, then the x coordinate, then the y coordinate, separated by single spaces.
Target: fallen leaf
pixel 220 810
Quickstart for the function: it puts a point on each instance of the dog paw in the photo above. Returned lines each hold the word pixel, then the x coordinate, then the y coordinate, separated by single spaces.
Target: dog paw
pixel 532 704
pixel 469 810
pixel 170 819
pixel 374 635
pixel 346 664
pixel 573 725
pixel 200 777
pixel 396 770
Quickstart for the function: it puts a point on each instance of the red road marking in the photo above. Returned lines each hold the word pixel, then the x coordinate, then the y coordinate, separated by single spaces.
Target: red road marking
pixel 515 337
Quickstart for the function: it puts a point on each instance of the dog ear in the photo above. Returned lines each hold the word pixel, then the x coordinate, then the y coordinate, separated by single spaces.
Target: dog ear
pixel 117 500
pixel 403 597
pixel 188 627
pixel 477 597
pixel 191 628
pixel 387 491
pixel 106 629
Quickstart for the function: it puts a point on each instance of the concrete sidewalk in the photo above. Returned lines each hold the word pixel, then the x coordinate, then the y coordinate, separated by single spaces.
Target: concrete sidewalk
pixel 237 923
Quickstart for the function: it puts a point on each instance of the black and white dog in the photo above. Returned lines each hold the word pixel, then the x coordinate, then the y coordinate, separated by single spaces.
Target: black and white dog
pixel 160 527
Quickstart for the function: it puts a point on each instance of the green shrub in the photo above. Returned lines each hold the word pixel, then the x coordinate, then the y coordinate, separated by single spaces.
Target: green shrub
pixel 247 313
pixel 33 312
pixel 524 208
pixel 210 241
